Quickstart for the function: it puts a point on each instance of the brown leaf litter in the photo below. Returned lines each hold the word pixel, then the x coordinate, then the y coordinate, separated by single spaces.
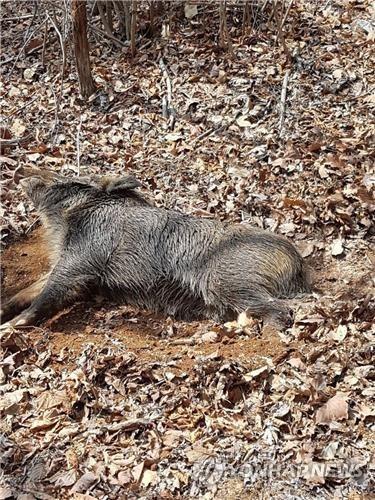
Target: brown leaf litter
pixel 108 402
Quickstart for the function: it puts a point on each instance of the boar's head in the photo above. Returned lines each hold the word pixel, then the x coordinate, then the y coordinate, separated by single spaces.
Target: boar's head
pixel 56 193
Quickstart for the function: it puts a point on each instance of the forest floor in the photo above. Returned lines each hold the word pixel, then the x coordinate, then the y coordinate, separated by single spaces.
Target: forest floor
pixel 109 402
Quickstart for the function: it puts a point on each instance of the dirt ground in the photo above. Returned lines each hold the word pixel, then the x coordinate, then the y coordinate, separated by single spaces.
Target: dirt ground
pixel 161 342
pixel 148 336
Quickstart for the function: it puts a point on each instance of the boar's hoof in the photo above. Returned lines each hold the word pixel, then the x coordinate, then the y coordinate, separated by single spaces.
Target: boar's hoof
pixel 6 326
pixel 20 320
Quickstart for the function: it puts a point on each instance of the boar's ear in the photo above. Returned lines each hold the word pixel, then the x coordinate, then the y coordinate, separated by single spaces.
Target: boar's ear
pixel 121 184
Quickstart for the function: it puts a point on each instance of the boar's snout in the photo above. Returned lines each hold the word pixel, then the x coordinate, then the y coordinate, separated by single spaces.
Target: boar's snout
pixel 30 183
pixel 33 187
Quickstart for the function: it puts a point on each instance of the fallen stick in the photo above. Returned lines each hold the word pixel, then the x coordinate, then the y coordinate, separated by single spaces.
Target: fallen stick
pixel 286 15
pixel 6 143
pixel 283 100
pixel 18 110
pixel 6 19
pixel 212 130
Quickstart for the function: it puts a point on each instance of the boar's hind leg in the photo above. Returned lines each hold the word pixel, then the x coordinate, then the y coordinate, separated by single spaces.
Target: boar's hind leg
pixel 22 299
pixel 65 284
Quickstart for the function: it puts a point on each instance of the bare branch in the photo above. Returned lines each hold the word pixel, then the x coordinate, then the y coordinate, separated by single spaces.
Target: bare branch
pixel 22 48
pixel 62 45
pixel 118 42
pixel 107 27
pixel 133 27
pixel 78 147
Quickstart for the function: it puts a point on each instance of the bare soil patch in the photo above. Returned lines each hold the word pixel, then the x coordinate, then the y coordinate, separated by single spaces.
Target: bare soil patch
pixel 148 336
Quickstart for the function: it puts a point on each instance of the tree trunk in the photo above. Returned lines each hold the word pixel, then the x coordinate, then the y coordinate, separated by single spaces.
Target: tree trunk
pixel 81 48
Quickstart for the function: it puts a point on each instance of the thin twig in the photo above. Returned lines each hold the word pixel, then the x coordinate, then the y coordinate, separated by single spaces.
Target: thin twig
pixel 57 106
pixel 183 341
pixel 44 43
pixel 224 32
pixel 18 110
pixel 286 13
pixel 107 27
pixel 62 44
pixel 118 42
pixel 168 110
pixel 22 49
pixel 212 130
pixel 145 46
pixel 279 23
pixel 120 16
pixel 283 100
pixel 167 78
pixel 34 49
pixel 78 147
pixel 32 20
pixel 28 16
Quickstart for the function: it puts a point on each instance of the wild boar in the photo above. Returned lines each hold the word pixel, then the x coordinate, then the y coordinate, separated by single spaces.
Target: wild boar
pixel 105 238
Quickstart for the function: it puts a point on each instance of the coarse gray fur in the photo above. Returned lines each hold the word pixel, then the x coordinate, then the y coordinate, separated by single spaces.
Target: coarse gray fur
pixel 106 238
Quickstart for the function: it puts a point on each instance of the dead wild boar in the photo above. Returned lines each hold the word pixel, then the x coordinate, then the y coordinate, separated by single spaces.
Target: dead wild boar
pixel 105 238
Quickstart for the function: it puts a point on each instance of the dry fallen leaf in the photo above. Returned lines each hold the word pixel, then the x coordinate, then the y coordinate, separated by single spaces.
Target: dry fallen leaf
pixel 11 399
pixel 243 122
pixel 340 333
pixel 18 127
pixel 148 477
pixel 306 248
pixel 5 493
pixel 29 73
pixel 297 363
pixel 323 172
pixel 137 471
pixel 84 482
pixel 209 337
pixel 314 473
pixel 337 247
pixel 191 10
pixel 124 477
pixel 330 450
pixel 333 410
pixel 197 453
pixel 64 478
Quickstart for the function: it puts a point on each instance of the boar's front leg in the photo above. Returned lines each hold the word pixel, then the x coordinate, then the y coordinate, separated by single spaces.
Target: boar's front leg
pixel 67 282
pixel 22 299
